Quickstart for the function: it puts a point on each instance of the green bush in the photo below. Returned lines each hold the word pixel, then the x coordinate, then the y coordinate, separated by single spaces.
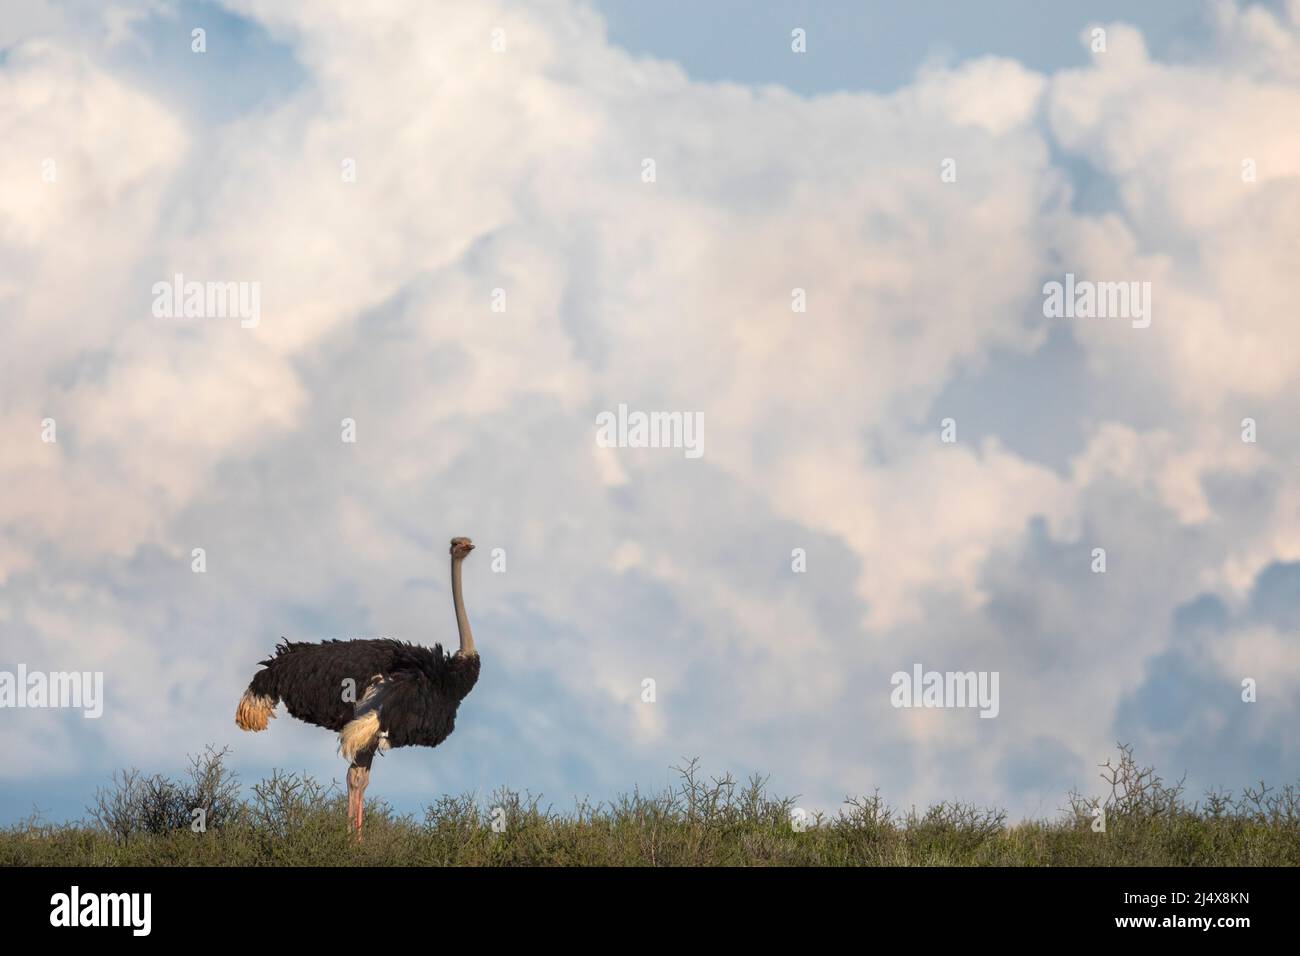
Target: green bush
pixel 293 820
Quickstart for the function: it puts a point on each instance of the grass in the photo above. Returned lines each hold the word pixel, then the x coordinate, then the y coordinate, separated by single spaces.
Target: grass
pixel 292 820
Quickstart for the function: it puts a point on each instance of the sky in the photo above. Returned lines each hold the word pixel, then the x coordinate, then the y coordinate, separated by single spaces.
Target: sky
pixel 473 230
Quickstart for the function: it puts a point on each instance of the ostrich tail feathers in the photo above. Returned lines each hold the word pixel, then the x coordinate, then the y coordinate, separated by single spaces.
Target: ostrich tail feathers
pixel 254 711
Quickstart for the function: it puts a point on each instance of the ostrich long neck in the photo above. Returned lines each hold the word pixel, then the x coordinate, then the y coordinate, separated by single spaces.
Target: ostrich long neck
pixel 462 619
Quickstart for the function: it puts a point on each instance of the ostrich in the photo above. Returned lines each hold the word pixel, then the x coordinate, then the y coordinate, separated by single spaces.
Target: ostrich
pixel 410 697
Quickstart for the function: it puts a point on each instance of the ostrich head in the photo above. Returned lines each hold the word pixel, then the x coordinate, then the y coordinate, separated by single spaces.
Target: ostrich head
pixel 460 547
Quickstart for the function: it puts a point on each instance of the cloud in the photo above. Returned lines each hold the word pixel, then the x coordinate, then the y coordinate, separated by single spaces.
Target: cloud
pixel 522 171
pixel 1180 141
pixel 1191 701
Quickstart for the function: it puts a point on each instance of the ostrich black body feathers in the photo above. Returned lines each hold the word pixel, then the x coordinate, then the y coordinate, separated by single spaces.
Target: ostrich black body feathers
pixel 414 690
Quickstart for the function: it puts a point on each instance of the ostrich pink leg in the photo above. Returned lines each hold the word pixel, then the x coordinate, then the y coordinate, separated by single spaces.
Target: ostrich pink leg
pixel 358 777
